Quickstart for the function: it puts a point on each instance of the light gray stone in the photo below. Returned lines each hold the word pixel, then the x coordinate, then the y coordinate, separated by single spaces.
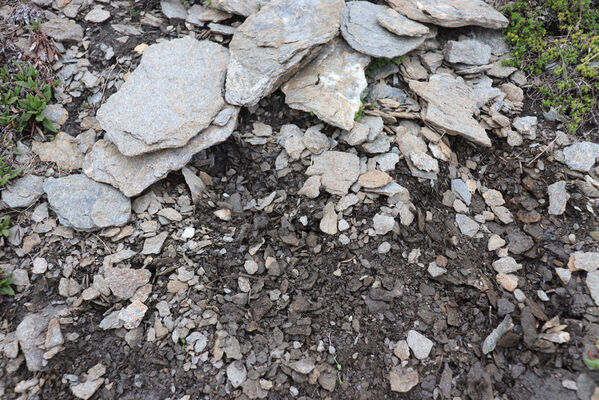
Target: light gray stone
pixel 592 282
pixel 240 7
pixel 338 170
pixel 506 265
pixel 63 151
pixel 471 52
pixel 62 30
pixel 56 113
pixel 273 44
pixel 236 373
pixel 451 105
pixel 153 245
pixel 86 205
pixel 175 92
pixel 330 85
pixel 467 225
pixel 123 282
pixel 198 14
pixel 558 198
pixel 195 184
pixel 23 192
pixel 173 9
pixel 398 24
pixel 402 379
pixel 97 15
pixel 383 224
pixel 328 223
pixel 491 341
pixel 132 175
pixel 419 344
pixel 581 156
pixel 303 366
pixel 461 189
pixel 451 13
pixel 29 332
pixel 361 29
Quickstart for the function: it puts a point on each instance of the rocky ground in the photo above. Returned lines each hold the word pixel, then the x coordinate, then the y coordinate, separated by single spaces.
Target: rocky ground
pixel 222 216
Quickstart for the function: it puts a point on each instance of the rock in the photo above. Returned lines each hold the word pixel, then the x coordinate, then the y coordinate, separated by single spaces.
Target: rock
pixel 564 275
pixel 328 223
pixel 592 282
pixel 63 151
pixel 28 332
pixel 173 9
pixel 402 350
pixel 383 224
pixel 451 13
pixel 56 113
pixel 467 225
pixel 222 29
pixel 491 341
pixel 583 261
pixel 330 86
pixel 316 142
pixel 451 104
pixel 153 245
pixel 507 281
pixel 132 175
pixel 251 267
pixel 198 14
pixel 123 282
pixel 62 30
pixel 236 373
pixel 86 205
pixel 53 335
pixel 23 192
pixel 195 184
pixel 461 189
pixel 240 7
pixel 97 15
pixel 133 314
pixel 526 126
pixel 424 162
pixel 338 170
pixel 368 128
pixel 361 29
pixel 403 379
pixel 223 214
pixel 374 179
pixel 469 51
pixel 303 366
pixel 93 381
pixel 40 265
pixel 311 188
pixel 558 197
pixel 478 383
pixel 271 45
pixel 581 156
pixel 519 242
pixel 435 271
pixel 493 198
pixel 419 344
pixel 181 82
pixel 506 265
pixel 400 25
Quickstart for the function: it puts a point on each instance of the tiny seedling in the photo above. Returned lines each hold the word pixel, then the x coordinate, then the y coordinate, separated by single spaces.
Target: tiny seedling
pixel 183 343
pixel 4 225
pixel 360 114
pixel 34 25
pixel 339 368
pixel 5 284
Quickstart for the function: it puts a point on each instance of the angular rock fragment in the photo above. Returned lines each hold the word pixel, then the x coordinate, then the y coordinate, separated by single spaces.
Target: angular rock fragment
pixel 181 83
pixel 451 106
pixel 330 85
pixel 132 175
pixel 581 156
pixel 63 151
pixel 396 23
pixel 491 341
pixel 585 261
pixel 63 30
pixel 23 192
pixel 402 380
pixel 471 52
pixel 451 13
pixel 123 282
pixel 558 198
pixel 271 45
pixel 86 205
pixel 338 170
pixel 361 29
pixel 240 7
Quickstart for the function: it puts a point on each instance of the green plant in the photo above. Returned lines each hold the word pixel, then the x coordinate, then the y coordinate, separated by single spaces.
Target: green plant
pixel 5 284
pixel 23 98
pixel 557 40
pixel 4 226
pixel 183 343
pixel 34 25
pixel 359 114
pixel 593 360
pixel 207 3
pixel 381 62
pixel 7 173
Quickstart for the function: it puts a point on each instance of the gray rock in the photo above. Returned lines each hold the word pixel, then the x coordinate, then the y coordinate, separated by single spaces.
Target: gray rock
pixel 86 205
pixel 506 265
pixel 240 7
pixel 592 282
pixel 303 366
pixel 581 156
pixel 273 44
pixel 451 105
pixel 493 38
pixel 467 225
pixel 519 242
pixel 63 30
pixel 198 14
pixel 402 380
pixel 123 282
pixel 328 223
pixel 173 9
pixel 330 85
pixel 222 29
pixel 471 52
pixel 526 126
pixel 581 260
pixel 419 344
pixel 97 15
pixel 93 381
pixel 56 113
pixel 558 198
pixel 236 373
pixel 361 29
pixel 153 245
pixel 383 224
pixel 195 183
pixel 398 24
pixel 132 175
pixel 29 332
pixel 451 13
pixel 63 151
pixel 338 170
pixel 23 192
pixel 461 189
pixel 491 341
pixel 181 82
pixel 483 90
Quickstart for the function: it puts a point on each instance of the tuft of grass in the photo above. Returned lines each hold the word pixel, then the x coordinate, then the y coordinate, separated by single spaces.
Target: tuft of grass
pixel 7 173
pixel 381 62
pixel 359 114
pixel 6 284
pixel 558 41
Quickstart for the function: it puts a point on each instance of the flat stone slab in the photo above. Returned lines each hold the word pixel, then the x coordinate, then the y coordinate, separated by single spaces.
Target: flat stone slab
pixel 23 192
pixel 330 85
pixel 396 23
pixel 451 105
pixel 338 170
pixel 361 29
pixel 175 92
pixel 63 30
pixel 273 44
pixel 86 205
pixel 470 51
pixel 451 13
pixel 63 151
pixel 240 7
pixel 132 175
pixel 581 156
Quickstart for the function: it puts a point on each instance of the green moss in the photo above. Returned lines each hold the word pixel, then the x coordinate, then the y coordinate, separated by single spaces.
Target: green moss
pixel 557 40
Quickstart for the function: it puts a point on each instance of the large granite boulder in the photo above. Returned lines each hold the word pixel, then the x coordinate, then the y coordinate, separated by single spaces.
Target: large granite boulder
pixel 331 85
pixel 273 44
pixel 132 175
pixel 451 13
pixel 175 92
